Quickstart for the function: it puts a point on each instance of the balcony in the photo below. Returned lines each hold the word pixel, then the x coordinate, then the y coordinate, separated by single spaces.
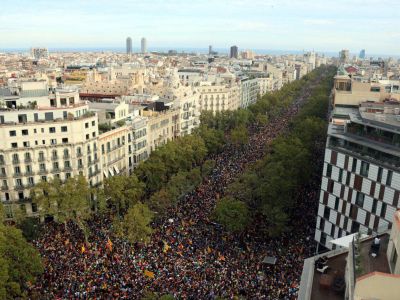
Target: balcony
pixel 80 166
pixel 2 162
pixel 15 161
pixel 92 174
pixel 42 172
pixel 29 173
pixel 30 185
pixel 54 158
pixel 56 170
pixel 28 160
pixel 3 175
pixel 41 159
pixel 19 174
pixel 4 188
pixel 19 187
pixel 67 169
pixel 66 156
pixel 79 154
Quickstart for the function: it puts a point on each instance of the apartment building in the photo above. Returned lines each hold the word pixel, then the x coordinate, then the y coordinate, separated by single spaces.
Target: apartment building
pixel 360 185
pixel 351 90
pixel 163 126
pixel 44 140
pixel 217 98
pixel 249 91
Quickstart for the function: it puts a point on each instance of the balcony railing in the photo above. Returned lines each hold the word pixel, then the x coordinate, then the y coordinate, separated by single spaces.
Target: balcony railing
pixel 79 154
pixel 19 187
pixel 54 158
pixel 29 173
pixel 43 171
pixel 18 174
pixel 28 159
pixel 41 159
pixel 66 156
pixel 56 170
pixel 15 161
pixel 4 188
pixel 3 175
pixel 67 169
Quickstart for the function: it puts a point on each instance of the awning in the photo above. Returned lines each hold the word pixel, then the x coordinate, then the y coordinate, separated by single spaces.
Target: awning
pixel 111 171
pixel 105 174
pixel 116 170
pixel 344 241
pixel 270 260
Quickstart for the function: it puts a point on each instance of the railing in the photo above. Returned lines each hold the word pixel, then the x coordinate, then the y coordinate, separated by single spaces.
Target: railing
pixel 4 188
pixel 28 160
pixel 15 161
pixel 19 187
pixel 41 159
pixel 79 154
pixel 41 172
pixel 56 170
pixel 54 158
pixel 19 174
pixel 29 173
pixel 3 175
pixel 66 156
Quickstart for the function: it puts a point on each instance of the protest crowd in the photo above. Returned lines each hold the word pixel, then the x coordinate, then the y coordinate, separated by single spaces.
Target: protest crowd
pixel 189 256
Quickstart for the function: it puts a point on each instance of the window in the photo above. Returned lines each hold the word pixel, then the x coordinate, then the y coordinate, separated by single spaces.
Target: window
pixel 13 133
pixel 360 199
pixel 25 132
pixel 42 167
pixel 67 164
pixel 355 227
pixel 34 130
pixel 383 209
pixel 322 224
pixel 52 130
pixel 64 140
pixel 340 175
pixel 26 144
pixel 87 136
pixel 374 205
pixel 348 178
pixel 41 156
pixel 55 166
pixel 44 178
pixel 53 141
pixel 389 178
pixel 15 158
pixel 329 170
pixel 326 213
pixel 78 151
pixel 364 169
pixel 34 207
pixel 380 171
pixel 93 123
pixel 102 149
pixel 86 125
pixel 64 128
pixel 17 170
pixel 93 134
pixel 54 154
pixel 354 166
pixel 14 145
pixel 67 175
pixel 337 203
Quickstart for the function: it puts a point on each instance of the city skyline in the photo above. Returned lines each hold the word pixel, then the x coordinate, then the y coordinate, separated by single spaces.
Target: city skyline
pixel 270 24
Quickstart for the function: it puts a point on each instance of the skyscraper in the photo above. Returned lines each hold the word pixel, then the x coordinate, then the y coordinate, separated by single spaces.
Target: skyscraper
pixel 362 54
pixel 128 45
pixel 234 52
pixel 210 49
pixel 344 56
pixel 143 44
pixel 38 53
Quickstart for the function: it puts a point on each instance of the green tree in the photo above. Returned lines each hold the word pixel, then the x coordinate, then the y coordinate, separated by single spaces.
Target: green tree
pixel 123 191
pixel 276 219
pixel 135 226
pixel 213 138
pixel 232 214
pixel 20 263
pixel 207 167
pixel 239 136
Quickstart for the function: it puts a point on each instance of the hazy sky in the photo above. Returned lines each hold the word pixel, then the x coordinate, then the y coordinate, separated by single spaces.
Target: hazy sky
pixel 322 25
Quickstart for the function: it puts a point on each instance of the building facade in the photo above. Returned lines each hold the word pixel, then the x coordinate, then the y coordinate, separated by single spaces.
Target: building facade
pixel 361 177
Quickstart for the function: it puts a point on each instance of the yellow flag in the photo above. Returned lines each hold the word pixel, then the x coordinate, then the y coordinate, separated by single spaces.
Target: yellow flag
pixel 149 273
pixel 209 250
pixel 166 247
pixel 83 249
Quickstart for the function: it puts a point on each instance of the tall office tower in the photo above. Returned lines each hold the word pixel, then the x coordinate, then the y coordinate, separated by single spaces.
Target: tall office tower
pixel 234 52
pixel 128 45
pixel 143 44
pixel 360 184
pixel 362 54
pixel 344 56
pixel 210 49
pixel 38 53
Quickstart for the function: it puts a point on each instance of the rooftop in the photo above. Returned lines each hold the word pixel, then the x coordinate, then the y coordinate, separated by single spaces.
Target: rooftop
pixel 315 285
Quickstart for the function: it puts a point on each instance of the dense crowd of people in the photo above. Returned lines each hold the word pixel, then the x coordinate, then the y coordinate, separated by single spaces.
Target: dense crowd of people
pixel 189 256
